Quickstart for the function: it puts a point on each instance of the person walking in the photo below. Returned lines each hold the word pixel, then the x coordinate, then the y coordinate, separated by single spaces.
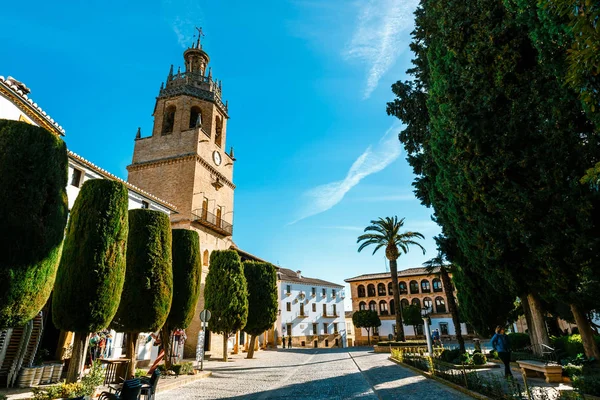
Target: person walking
pixel 289 341
pixel 436 338
pixel 283 341
pixel 501 344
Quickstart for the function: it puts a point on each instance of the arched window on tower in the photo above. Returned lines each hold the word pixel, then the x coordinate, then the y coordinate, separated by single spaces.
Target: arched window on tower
pixel 218 131
pixel 195 117
pixel 169 120
pixel 437 285
pixel 361 291
pixel 381 289
pixel 205 258
pixel 428 303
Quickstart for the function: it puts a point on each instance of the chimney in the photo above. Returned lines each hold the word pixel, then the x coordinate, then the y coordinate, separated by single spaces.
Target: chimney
pixel 299 274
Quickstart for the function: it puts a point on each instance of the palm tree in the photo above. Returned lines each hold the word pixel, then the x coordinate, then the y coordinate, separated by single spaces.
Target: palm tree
pixel 443 269
pixel 386 232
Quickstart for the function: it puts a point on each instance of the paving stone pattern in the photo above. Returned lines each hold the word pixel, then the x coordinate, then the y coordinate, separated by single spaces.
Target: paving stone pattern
pixel 312 374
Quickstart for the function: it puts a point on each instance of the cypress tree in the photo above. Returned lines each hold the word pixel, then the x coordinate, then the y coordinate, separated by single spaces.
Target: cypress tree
pixel 187 273
pixel 226 294
pixel 261 279
pixel 33 178
pixel 91 273
pixel 148 289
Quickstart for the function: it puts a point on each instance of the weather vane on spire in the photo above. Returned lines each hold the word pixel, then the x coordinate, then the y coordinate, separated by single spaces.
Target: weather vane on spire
pixel 200 35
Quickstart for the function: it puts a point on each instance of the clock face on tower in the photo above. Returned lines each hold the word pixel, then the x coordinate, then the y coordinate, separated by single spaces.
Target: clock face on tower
pixel 217 157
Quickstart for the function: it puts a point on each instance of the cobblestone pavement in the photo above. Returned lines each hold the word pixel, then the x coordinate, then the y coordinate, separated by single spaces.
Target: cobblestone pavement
pixel 312 374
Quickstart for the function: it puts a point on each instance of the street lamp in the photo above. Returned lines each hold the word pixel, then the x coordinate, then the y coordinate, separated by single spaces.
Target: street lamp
pixel 425 315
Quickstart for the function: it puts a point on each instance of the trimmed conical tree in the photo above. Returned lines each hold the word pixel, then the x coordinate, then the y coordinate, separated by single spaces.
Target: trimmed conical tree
pixel 261 279
pixel 226 294
pixel 33 215
pixel 187 272
pixel 148 289
pixel 90 277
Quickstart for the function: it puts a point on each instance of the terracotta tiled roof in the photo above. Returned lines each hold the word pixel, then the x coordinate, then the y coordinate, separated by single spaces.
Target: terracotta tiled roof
pixel 288 275
pixel 383 275
pixel 108 175
pixel 20 91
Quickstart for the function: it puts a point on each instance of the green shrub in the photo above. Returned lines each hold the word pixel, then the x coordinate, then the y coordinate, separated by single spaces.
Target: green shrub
pixel 139 373
pixel 521 355
pixel 33 215
pixel 572 370
pixel 90 277
pixel 518 341
pixel 450 355
pixel 464 358
pixel 148 288
pixel 85 387
pixel 187 271
pixel 479 359
pixel 408 343
pixel 570 346
pixel 587 384
pixel 183 368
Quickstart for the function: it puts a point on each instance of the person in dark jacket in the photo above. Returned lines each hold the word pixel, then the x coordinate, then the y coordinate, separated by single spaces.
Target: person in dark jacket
pixel 501 344
pixel 289 341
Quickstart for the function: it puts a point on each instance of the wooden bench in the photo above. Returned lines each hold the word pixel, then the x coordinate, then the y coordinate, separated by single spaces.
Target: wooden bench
pixel 552 372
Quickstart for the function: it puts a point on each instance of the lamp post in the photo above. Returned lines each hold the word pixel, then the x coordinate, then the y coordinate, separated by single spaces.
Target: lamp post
pixel 425 315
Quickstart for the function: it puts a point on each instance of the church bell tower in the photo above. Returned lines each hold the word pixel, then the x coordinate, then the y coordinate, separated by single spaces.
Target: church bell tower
pixel 185 161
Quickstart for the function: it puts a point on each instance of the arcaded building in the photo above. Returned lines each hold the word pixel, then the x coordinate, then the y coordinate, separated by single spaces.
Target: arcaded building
pixel 416 286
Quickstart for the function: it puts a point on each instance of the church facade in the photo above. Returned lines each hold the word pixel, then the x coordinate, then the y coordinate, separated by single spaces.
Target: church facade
pixel 185 161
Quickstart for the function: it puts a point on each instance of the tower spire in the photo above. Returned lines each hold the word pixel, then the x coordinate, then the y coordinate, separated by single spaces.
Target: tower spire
pixel 200 35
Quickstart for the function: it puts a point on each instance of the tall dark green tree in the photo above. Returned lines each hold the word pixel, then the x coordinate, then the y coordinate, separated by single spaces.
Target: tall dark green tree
pixel 187 274
pixel 91 273
pixel 502 147
pixel 226 294
pixel 261 279
pixel 33 178
pixel 386 233
pixel 367 319
pixel 148 290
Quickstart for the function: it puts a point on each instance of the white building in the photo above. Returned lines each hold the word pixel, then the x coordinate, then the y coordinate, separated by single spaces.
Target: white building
pixel 311 311
pixel 16 105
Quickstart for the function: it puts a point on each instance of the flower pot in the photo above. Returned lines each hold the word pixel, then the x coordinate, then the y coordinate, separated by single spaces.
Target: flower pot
pixel 38 376
pixel 26 377
pixel 56 373
pixel 47 371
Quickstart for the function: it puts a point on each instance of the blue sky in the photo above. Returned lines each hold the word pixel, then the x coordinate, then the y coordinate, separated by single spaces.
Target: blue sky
pixel 307 84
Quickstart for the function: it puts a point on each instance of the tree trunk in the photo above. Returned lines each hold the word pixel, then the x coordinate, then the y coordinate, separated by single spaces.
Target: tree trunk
pixel 80 343
pixel 251 348
pixel 447 282
pixel 225 342
pixel 590 347
pixel 130 354
pixel 165 338
pixel 399 326
pixel 539 334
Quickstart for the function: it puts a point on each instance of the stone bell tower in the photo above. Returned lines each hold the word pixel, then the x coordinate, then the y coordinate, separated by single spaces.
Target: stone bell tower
pixel 185 163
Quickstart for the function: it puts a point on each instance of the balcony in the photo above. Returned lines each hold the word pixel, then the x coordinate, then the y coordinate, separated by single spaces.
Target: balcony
pixel 302 314
pixel 331 314
pixel 212 221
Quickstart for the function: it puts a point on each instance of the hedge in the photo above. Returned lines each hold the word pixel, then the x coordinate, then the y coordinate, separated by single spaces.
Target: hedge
pixel 148 288
pixel 33 215
pixel 187 273
pixel 91 274
pixel 570 346
pixel 518 341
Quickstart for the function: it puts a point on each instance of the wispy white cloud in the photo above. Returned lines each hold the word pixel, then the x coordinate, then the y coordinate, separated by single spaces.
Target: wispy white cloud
pixel 378 38
pixel 183 16
pixel 372 160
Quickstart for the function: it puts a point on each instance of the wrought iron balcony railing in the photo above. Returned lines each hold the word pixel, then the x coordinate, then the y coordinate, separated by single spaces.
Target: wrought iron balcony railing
pixel 212 221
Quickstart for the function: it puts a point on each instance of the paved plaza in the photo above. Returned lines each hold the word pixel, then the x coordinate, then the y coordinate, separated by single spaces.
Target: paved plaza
pixel 312 374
